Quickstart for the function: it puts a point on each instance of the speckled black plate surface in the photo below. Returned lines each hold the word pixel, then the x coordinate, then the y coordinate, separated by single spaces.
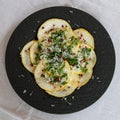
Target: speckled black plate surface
pixel 23 82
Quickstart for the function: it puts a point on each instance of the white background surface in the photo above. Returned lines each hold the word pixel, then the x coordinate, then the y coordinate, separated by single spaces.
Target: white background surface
pixel 12 12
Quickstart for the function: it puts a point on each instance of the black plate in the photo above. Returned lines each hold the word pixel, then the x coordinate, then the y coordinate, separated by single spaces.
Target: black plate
pixel 23 82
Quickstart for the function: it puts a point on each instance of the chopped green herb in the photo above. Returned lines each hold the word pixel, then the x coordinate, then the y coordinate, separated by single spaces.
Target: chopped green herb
pixel 53 54
pixel 86 63
pixel 60 68
pixel 77 66
pixel 69 49
pixel 49 66
pixel 72 61
pixel 39 46
pixel 55 79
pixel 37 58
pixel 83 69
pixel 35 62
pixel 86 51
pixel 56 34
pixel 74 40
pixel 63 83
pixel 64 75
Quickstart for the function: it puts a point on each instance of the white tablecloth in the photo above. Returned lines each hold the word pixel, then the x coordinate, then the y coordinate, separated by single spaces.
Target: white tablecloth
pixel 12 12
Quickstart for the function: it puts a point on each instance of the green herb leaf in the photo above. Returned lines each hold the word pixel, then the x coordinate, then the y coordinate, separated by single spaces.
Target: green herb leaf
pixel 69 49
pixel 74 40
pixel 83 69
pixel 86 51
pixel 39 46
pixel 72 61
pixel 63 83
pixel 64 75
pixel 37 58
pixel 60 68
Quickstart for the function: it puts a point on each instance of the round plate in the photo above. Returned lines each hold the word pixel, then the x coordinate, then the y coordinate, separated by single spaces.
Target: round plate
pixel 23 82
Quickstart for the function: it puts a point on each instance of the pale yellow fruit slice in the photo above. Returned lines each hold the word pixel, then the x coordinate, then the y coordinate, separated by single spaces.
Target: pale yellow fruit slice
pixel 43 82
pixel 69 89
pixel 25 57
pixel 85 36
pixel 52 24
